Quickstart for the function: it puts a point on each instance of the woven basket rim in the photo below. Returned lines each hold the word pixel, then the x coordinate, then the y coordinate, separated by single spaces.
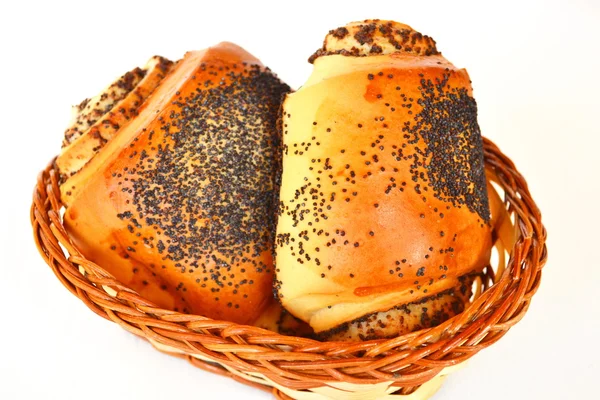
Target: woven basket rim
pixel 301 363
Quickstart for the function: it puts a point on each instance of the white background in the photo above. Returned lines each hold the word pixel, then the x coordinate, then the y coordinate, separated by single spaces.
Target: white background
pixel 535 70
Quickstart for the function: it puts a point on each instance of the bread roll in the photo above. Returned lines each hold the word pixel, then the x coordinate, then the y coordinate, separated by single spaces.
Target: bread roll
pixel 180 203
pixel 383 203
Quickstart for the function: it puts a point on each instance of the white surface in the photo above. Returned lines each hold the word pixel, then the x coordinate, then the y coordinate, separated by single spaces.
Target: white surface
pixel 534 67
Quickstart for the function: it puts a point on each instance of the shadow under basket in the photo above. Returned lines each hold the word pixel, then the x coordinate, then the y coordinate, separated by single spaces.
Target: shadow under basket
pixel 412 366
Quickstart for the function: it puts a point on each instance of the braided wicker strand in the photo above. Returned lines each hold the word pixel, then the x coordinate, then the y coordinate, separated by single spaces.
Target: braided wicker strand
pixel 411 366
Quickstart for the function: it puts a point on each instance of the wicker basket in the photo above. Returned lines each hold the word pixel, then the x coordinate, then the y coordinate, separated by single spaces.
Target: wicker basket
pixel 412 366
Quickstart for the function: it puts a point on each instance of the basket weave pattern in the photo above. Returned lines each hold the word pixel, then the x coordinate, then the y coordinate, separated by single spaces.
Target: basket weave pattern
pixel 300 367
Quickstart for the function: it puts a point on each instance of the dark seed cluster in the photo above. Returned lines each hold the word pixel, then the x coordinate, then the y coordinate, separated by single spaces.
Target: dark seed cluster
pixel 448 140
pixel 206 182
pixel 339 33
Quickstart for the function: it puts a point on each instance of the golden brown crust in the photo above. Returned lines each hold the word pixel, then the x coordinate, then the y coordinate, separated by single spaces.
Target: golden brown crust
pixel 383 198
pixel 178 205
pixel 375 37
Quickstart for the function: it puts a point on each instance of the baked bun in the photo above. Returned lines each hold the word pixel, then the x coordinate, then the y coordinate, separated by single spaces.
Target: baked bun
pixel 383 204
pixel 179 202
